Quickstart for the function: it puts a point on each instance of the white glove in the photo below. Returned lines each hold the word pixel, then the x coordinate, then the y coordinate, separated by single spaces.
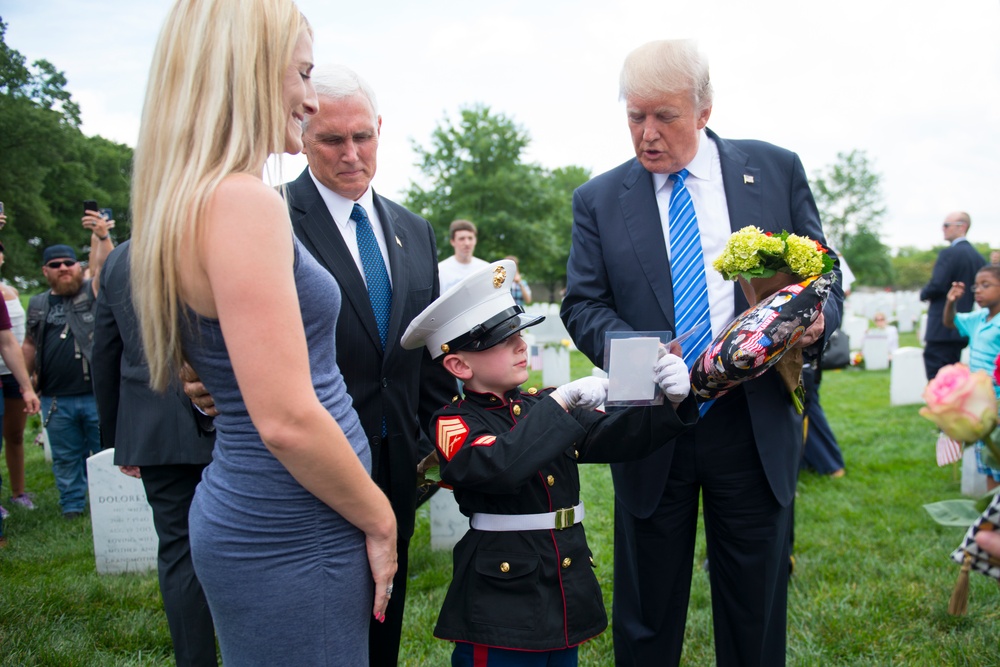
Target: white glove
pixel 587 393
pixel 671 374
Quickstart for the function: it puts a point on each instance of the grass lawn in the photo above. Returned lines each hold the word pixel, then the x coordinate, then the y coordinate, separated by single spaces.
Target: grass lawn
pixel 871 586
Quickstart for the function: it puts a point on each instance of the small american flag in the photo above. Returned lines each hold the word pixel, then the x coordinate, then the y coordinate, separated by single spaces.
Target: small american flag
pixel 948 450
pixel 535 358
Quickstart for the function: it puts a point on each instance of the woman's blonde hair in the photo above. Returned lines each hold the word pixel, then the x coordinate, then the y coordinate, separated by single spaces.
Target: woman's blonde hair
pixel 214 107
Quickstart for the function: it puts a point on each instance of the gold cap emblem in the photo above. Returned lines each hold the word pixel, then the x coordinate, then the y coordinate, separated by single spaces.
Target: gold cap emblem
pixel 445 348
pixel 499 276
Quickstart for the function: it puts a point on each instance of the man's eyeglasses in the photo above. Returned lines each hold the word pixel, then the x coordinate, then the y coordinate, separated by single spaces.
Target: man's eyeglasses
pixel 983 286
pixel 59 263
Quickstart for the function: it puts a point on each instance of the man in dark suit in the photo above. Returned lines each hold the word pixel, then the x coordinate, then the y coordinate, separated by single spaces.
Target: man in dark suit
pixel 395 391
pixel 959 262
pixel 743 455
pixel 162 440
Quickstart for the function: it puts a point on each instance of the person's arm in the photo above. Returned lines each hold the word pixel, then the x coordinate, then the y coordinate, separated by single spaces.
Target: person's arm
pixel 13 356
pixel 100 244
pixel 941 278
pixel 28 350
pixel 106 359
pixel 955 293
pixel 266 341
pixel 806 222
pixel 588 309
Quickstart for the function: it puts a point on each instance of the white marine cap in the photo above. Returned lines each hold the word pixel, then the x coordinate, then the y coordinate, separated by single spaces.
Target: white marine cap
pixel 475 314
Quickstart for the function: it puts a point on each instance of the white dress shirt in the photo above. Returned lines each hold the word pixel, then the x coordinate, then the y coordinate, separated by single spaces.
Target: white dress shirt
pixel 704 183
pixel 340 208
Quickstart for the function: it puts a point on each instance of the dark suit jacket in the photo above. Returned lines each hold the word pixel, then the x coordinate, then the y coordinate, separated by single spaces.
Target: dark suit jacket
pixel 145 428
pixel 618 278
pixel 405 387
pixel 958 262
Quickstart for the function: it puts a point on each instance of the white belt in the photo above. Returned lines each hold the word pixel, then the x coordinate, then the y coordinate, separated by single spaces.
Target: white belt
pixel 558 520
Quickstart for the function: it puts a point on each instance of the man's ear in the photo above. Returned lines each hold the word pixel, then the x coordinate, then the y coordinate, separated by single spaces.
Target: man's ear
pixel 455 364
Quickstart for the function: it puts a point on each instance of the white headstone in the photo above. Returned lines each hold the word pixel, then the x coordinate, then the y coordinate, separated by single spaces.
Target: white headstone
pixel 973 481
pixel 875 350
pixel 555 365
pixel 448 524
pixel 124 537
pixel 907 378
pixel 855 328
pixel 46 447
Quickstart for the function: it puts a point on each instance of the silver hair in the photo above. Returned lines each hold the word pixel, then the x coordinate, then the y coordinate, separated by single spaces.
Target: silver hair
pixel 667 67
pixel 339 82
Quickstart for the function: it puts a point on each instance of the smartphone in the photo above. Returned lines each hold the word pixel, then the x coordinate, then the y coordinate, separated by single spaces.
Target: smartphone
pixel 106 213
pixel 89 205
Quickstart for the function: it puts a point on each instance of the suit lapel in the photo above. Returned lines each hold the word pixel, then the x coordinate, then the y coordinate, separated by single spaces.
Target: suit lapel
pixel 744 196
pixel 314 225
pixel 396 243
pixel 642 222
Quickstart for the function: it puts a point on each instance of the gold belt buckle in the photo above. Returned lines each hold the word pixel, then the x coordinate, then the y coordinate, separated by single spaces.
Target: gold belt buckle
pixel 565 518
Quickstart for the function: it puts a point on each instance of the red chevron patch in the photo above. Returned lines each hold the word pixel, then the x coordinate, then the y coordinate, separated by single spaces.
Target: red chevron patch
pixel 484 441
pixel 451 433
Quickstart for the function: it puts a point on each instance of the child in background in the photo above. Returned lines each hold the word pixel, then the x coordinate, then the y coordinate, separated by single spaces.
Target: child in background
pixel 523 590
pixel 982 327
pixel 885 330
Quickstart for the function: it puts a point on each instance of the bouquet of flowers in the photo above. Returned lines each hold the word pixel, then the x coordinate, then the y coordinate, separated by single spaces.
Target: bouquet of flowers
pixel 786 279
pixel 751 253
pixel 963 404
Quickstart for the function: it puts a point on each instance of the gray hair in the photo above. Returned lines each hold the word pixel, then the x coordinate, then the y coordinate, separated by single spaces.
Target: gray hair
pixel 339 82
pixel 667 67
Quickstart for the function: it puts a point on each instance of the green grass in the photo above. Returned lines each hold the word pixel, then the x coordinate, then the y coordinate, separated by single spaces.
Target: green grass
pixel 871 587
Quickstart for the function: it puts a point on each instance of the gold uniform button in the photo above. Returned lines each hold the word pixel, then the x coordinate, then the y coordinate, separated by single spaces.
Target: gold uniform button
pixel 592 563
pixel 517 410
pixel 454 398
pixel 493 399
pixel 576 453
pixel 551 480
pixel 533 391
pixel 505 567
pixel 567 562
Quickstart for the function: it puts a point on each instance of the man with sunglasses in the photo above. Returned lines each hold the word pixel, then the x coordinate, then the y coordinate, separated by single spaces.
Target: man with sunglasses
pixel 959 262
pixel 57 350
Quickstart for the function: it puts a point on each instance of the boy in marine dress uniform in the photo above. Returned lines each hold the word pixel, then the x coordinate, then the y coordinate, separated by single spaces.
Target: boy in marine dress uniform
pixel 523 590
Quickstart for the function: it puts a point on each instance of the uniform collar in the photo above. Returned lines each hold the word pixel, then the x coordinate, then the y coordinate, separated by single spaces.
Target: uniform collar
pixel 491 400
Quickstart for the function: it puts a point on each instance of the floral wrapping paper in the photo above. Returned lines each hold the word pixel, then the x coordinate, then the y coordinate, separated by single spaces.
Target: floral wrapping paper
pixel 757 339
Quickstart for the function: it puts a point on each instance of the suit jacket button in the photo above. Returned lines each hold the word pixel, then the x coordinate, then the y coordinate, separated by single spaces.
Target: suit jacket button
pixel 505 567
pixel 567 562
pixel 385 382
pixel 550 480
pixel 376 441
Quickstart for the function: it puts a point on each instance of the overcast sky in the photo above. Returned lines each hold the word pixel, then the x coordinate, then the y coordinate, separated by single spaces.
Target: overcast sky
pixel 915 84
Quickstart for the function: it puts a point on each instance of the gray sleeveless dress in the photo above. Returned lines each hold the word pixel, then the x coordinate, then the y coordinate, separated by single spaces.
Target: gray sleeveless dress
pixel 286 577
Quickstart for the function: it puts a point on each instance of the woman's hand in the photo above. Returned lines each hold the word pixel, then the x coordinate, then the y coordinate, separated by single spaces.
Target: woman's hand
pixel 382 560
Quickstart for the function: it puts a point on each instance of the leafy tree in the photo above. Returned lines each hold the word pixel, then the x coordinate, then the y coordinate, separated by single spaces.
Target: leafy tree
pixel 48 167
pixel 475 170
pixel 849 197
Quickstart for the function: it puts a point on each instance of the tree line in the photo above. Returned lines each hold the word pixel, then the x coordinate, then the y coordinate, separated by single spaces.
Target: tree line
pixel 48 167
pixel 473 168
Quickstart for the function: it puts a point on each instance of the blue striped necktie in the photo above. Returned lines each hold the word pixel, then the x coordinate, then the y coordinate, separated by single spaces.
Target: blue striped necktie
pixel 376 277
pixel 687 269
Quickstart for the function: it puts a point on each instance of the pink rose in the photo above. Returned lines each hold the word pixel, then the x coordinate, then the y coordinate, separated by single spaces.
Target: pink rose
pixel 961 403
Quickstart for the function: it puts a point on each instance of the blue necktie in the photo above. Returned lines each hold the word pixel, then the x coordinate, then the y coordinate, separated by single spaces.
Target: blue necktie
pixel 687 269
pixel 377 278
